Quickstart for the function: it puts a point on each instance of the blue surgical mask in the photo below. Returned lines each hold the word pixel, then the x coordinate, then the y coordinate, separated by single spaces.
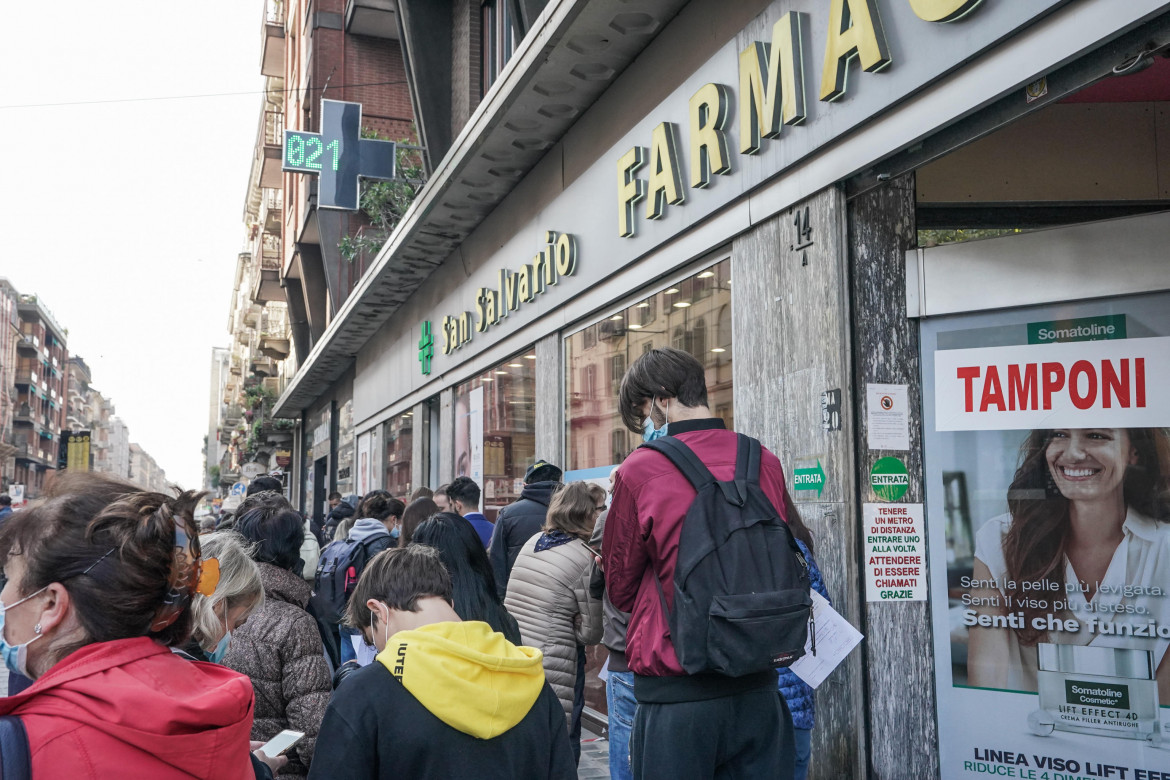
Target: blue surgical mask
pixel 650 433
pixel 394 532
pixel 16 656
pixel 216 655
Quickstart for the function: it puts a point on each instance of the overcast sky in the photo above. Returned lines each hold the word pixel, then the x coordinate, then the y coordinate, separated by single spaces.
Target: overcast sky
pixel 126 217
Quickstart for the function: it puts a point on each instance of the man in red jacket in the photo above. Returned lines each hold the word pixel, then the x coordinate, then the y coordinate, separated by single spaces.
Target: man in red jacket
pixel 687 727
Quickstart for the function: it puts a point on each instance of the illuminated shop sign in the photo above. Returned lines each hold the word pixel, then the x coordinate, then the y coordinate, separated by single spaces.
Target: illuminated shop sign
pixel 771 96
pixel 338 155
pixel 557 258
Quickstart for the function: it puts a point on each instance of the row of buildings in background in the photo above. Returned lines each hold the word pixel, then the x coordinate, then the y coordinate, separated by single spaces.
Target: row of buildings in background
pixel 45 395
pixel 299 264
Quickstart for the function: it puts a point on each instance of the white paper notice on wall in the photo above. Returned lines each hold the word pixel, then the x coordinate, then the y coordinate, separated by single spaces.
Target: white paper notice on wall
pixel 887 417
pixel 895 552
pixel 835 638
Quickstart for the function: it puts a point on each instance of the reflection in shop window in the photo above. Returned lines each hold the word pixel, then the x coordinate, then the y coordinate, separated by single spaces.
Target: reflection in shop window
pixel 495 423
pixel 398 433
pixel 692 315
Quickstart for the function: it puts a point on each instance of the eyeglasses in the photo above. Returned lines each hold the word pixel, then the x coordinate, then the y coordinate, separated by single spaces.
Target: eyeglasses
pixel 599 508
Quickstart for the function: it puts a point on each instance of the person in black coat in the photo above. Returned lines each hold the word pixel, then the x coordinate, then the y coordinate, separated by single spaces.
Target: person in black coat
pixel 444 698
pixel 520 521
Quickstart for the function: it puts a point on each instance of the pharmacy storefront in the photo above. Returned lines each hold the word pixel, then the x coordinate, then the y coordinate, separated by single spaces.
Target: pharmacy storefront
pixel 916 246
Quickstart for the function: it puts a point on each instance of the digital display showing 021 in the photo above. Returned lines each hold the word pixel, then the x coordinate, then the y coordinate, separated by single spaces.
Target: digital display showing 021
pixel 308 152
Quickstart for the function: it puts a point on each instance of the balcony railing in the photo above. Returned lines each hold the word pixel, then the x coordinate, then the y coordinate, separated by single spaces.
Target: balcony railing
pixel 270 252
pixel 274 128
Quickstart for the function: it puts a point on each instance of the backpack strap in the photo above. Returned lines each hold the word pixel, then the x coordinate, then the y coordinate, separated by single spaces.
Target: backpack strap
pixel 15 762
pixel 684 459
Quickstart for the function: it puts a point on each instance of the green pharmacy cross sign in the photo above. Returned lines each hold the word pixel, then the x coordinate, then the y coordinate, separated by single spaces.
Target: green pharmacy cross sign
pixel 426 348
pixel 338 155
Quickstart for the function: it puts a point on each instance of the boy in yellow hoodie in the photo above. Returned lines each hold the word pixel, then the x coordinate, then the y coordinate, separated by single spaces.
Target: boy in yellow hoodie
pixel 444 698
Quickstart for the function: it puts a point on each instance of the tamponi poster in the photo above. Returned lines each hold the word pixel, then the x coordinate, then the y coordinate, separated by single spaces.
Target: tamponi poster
pixel 1047 444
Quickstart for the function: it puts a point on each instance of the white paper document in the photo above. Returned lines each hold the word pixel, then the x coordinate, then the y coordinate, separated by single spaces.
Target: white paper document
pixel 887 417
pixel 835 638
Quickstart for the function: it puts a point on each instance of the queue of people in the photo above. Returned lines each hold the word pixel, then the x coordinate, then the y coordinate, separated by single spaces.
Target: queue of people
pixel 401 638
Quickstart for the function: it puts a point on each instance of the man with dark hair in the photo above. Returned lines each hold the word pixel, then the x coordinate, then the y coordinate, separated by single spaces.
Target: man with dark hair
pixel 691 727
pixel 444 698
pixel 5 508
pixel 261 484
pixel 518 522
pixel 464 496
pixel 338 510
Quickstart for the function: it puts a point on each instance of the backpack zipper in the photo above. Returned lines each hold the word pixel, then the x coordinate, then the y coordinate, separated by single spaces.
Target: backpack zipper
pixel 812 627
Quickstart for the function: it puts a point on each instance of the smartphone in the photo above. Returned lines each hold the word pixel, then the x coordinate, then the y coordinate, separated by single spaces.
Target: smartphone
pixel 282 742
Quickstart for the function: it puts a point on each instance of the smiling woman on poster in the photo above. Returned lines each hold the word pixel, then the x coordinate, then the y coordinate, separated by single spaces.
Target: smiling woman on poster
pixel 1082 557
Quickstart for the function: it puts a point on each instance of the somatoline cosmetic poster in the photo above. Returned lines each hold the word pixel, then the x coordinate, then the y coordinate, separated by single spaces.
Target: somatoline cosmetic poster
pixel 1047 442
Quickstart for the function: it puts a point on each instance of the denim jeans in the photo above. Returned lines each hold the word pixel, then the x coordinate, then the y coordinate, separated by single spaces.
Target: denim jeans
pixel 619 694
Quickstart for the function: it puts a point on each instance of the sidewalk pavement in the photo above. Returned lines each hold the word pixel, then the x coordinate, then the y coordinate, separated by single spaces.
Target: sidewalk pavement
pixel 594 758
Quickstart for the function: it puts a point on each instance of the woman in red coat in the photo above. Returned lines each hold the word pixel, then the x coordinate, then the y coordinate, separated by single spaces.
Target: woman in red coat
pixel 100 578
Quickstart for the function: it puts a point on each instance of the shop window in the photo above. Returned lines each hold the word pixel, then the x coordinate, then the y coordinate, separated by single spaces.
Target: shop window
pixel 589 336
pixel 617 370
pixel 398 435
pixel 692 315
pixel 345 450
pixel 495 424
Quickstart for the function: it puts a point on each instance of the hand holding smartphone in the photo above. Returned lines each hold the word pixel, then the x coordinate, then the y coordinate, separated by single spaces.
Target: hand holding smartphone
pixel 282 742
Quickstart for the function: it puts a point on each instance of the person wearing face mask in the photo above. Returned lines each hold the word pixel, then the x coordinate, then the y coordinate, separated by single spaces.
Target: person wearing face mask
pixel 687 726
pixel 101 576
pixel 234 592
pixel 445 698
pixel 1088 519
pixel 377 528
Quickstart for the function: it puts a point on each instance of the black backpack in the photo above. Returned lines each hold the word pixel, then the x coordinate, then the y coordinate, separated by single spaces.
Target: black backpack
pixel 741 585
pixel 338 570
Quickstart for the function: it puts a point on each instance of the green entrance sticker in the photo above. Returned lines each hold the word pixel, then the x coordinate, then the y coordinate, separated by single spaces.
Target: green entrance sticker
pixel 809 479
pixel 889 479
pixel 1104 328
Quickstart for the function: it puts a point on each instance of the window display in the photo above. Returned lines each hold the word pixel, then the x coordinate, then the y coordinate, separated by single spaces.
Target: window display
pixel 495 424
pixel 693 315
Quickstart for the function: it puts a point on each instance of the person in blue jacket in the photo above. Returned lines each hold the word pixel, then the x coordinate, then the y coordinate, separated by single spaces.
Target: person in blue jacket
pixel 799 694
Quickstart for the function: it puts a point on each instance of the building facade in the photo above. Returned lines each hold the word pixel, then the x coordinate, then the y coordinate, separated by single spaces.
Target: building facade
pixel 916 245
pixel 10 335
pixel 41 386
pixel 300 264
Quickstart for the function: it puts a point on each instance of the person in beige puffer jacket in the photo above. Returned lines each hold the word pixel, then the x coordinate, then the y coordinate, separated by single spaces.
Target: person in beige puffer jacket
pixel 548 592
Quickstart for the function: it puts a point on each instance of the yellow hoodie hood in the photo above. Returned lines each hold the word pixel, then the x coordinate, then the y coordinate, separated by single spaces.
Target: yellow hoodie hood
pixel 467 675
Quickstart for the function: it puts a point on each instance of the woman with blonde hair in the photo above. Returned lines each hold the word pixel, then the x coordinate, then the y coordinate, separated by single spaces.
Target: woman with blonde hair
pixel 548 594
pixel 238 593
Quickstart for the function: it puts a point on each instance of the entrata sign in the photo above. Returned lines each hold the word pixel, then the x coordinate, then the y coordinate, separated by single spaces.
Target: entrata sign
pixel 338 155
pixel 1053 385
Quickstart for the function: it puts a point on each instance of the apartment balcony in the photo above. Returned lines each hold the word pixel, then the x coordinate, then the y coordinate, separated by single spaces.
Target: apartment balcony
pixel 272 211
pixel 272 39
pixel 23 416
pixel 251 315
pixel 26 454
pixel 25 345
pixel 264 367
pixel 272 149
pixel 26 377
pixel 376 18
pixel 266 281
pixel 275 348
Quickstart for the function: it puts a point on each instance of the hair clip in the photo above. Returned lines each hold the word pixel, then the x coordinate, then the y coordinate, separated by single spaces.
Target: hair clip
pixel 208 577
